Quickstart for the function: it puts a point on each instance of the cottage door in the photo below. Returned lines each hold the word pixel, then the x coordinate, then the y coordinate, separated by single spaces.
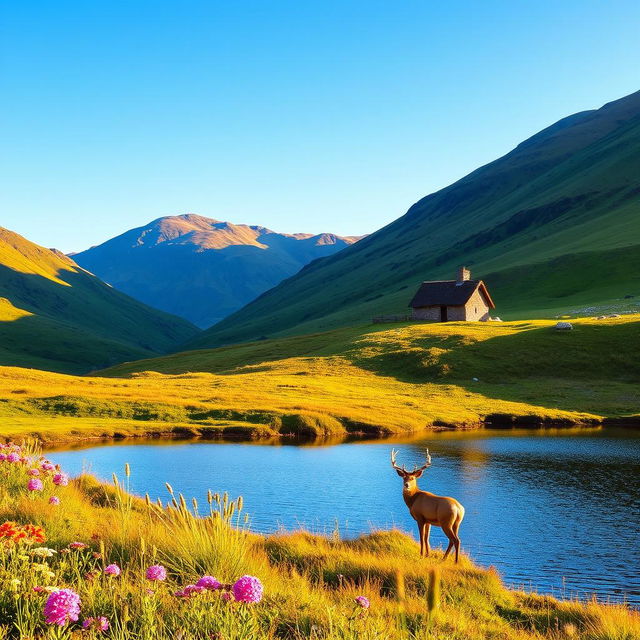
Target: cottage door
pixel 443 314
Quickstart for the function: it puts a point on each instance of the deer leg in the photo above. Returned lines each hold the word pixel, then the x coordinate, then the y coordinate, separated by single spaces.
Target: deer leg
pixel 421 534
pixel 426 527
pixel 456 527
pixel 453 541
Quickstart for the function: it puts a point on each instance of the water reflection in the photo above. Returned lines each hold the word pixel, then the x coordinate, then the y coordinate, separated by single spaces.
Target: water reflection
pixel 555 511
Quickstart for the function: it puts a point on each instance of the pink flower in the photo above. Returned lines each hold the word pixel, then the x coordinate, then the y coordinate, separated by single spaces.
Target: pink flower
pixel 3 457
pixel 47 466
pixel 39 589
pixel 226 596
pixel 247 589
pixel 189 590
pixel 62 606
pixel 35 485
pixel 209 583
pixel 77 545
pixel 156 572
pixel 33 472
pixel 13 457
pixel 54 500
pixel 112 570
pixel 363 602
pixel 99 624
pixel 61 479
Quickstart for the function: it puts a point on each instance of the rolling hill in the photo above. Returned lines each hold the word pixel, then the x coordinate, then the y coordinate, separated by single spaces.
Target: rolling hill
pixel 203 269
pixel 56 316
pixel 553 226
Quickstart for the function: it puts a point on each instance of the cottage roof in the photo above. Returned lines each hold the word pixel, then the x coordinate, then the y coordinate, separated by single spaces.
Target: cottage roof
pixel 450 293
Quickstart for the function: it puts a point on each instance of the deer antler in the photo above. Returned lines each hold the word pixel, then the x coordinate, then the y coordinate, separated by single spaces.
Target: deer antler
pixel 394 453
pixel 425 465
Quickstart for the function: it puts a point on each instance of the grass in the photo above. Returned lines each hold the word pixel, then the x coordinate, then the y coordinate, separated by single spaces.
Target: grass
pixel 310 582
pixel 374 380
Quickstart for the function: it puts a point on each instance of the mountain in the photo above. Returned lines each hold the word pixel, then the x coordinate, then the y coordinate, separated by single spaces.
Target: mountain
pixel 55 315
pixel 551 226
pixel 203 269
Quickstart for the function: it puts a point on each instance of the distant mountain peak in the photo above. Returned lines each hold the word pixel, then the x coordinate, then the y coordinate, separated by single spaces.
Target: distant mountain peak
pixel 203 268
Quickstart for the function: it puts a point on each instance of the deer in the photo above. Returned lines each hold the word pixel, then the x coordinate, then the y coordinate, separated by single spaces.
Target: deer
pixel 429 509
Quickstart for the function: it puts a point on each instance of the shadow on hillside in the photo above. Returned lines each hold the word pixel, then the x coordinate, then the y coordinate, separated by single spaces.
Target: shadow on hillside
pixel 41 343
pixel 81 325
pixel 569 368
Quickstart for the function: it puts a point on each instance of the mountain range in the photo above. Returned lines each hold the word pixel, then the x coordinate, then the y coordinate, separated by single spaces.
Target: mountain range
pixel 203 269
pixel 55 315
pixel 552 225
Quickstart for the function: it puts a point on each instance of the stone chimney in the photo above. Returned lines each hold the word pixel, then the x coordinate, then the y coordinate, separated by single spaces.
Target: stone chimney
pixel 463 275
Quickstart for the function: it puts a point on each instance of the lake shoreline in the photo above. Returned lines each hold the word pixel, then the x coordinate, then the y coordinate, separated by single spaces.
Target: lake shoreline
pixel 264 434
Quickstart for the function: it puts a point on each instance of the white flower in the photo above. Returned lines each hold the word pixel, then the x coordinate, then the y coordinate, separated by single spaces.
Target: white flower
pixel 43 552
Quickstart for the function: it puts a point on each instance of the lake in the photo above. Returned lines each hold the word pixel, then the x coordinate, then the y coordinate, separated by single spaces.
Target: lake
pixel 556 511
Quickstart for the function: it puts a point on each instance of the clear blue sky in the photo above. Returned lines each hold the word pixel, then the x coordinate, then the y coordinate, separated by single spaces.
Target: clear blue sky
pixel 301 116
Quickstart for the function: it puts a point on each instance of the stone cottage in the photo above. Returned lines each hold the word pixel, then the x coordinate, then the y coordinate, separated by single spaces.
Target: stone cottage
pixel 460 299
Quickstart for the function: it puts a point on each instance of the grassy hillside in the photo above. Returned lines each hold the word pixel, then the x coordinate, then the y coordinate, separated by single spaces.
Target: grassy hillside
pixel 376 380
pixel 551 227
pixel 56 316
pixel 203 269
pixel 310 583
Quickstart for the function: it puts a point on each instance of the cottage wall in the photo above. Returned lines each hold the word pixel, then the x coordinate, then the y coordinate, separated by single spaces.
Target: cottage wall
pixel 476 308
pixel 427 313
pixel 456 313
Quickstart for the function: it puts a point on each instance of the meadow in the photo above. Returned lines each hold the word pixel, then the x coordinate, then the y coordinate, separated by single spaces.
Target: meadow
pixel 83 559
pixel 373 380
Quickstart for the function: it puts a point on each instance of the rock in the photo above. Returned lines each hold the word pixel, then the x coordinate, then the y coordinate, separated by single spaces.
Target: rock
pixel 496 319
pixel 563 326
pixel 475 379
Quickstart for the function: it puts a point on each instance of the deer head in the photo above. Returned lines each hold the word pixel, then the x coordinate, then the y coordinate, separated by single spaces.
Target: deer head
pixel 409 477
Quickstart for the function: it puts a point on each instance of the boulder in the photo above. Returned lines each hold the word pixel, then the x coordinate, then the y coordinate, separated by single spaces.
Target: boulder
pixel 563 326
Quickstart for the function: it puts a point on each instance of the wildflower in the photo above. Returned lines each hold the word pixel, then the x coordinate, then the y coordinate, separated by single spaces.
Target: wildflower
pixel 247 589
pixel 112 570
pixel 209 583
pixel 27 533
pixel 156 572
pixel 39 589
pixel 47 466
pixel 62 606
pixel 149 592
pixel 226 596
pixel 77 545
pixel 61 479
pixel 363 602
pixel 33 534
pixel 35 485
pixel 99 624
pixel 15 583
pixel 43 552
pixel 54 500
pixel 33 472
pixel 13 457
pixel 189 590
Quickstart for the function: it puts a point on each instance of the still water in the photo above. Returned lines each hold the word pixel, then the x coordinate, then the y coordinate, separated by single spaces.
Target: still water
pixel 554 511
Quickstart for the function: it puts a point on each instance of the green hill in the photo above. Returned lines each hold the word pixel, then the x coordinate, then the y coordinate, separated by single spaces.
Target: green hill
pixel 552 227
pixel 56 316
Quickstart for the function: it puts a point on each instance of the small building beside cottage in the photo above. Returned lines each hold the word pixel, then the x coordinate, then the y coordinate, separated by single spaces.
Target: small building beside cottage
pixel 459 299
